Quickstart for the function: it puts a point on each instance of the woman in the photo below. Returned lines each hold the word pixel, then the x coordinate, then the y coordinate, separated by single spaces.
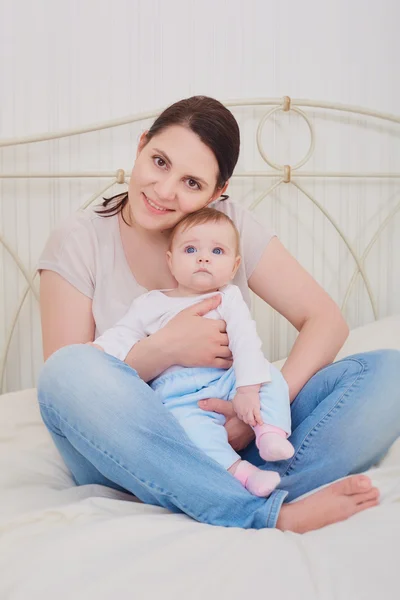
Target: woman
pixel 106 421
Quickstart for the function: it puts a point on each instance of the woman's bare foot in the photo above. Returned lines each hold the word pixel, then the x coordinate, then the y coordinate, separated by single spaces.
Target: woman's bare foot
pixel 337 502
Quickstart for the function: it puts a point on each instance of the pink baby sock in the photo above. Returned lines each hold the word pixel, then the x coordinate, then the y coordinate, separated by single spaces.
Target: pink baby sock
pixel 272 443
pixel 257 482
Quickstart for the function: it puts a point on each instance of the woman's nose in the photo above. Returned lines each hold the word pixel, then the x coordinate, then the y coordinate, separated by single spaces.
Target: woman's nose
pixel 166 189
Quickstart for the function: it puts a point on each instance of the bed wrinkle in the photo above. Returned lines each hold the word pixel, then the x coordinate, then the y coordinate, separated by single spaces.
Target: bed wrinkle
pixel 114 543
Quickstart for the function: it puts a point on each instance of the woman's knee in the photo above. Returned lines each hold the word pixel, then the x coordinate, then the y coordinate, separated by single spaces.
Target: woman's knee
pixel 383 365
pixel 66 366
pixel 387 360
pixel 80 372
pixel 379 404
pixel 83 381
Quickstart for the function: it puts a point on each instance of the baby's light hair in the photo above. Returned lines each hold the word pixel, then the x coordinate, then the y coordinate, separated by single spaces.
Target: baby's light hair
pixel 200 217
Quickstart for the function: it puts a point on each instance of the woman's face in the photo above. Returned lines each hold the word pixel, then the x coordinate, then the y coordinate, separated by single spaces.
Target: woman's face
pixel 174 174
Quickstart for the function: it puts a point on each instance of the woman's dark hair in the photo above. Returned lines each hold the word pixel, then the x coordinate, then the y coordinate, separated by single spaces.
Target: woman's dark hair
pixel 211 121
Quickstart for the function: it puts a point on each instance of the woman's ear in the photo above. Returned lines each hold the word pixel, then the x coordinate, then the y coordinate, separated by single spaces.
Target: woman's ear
pixel 142 142
pixel 219 192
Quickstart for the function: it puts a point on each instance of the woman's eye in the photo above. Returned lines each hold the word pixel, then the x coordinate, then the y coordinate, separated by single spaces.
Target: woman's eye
pixel 160 162
pixel 218 251
pixel 190 250
pixel 192 183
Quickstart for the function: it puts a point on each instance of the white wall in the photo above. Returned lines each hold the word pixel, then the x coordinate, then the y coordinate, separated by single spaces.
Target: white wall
pixel 66 64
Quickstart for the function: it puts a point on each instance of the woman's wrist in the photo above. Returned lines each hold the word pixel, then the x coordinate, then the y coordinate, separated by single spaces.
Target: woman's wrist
pixel 169 345
pixel 151 356
pixel 164 344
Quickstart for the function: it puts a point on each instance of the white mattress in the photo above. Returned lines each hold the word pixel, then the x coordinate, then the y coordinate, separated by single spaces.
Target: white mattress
pixel 62 541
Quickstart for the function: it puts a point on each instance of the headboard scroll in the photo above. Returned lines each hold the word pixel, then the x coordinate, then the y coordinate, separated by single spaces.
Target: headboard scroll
pixel 266 112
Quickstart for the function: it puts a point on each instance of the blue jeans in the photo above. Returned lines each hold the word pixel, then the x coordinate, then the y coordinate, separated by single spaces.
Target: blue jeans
pixel 111 429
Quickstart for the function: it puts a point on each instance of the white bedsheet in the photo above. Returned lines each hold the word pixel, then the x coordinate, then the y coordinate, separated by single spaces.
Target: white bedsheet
pixel 66 542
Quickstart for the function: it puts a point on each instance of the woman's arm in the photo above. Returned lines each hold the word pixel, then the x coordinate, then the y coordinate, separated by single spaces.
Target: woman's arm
pixel 66 314
pixel 283 283
pixel 67 318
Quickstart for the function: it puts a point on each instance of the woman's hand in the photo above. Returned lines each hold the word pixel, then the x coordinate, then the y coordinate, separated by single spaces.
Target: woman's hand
pixel 193 341
pixel 239 434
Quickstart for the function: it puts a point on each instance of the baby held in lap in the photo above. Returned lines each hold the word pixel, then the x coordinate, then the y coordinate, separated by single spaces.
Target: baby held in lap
pixel 203 257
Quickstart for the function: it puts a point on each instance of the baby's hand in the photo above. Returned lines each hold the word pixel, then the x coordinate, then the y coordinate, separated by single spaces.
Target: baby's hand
pixel 246 405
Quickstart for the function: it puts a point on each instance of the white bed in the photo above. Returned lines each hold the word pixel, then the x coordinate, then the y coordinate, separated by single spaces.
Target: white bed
pixel 62 541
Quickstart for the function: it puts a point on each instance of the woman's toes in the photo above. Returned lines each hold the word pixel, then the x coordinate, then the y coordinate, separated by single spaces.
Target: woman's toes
pixel 370 496
pixel 365 505
pixel 356 484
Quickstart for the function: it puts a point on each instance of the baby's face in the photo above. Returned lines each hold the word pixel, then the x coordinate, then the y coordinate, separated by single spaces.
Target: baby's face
pixel 204 257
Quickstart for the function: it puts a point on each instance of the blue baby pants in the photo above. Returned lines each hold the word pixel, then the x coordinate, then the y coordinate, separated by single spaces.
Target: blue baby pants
pixel 181 390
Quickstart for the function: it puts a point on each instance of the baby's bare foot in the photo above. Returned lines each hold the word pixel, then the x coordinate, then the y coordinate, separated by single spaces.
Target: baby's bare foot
pixel 337 502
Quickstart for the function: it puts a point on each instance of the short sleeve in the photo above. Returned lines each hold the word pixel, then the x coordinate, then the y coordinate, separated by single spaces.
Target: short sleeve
pixel 70 251
pixel 254 236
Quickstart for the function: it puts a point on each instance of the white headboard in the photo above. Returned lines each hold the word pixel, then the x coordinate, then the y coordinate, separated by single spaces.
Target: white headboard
pixel 324 176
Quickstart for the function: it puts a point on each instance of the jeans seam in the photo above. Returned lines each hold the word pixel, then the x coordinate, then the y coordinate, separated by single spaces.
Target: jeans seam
pixel 146 483
pixel 333 410
pixel 277 501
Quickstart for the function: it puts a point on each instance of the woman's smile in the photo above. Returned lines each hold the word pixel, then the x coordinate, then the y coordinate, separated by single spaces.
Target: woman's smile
pixel 155 208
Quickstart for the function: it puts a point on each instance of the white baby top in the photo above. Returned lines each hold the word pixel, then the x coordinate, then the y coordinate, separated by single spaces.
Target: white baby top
pixel 87 251
pixel 152 311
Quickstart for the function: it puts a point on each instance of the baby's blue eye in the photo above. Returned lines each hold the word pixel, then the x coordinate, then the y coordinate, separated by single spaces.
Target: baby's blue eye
pixel 190 250
pixel 218 251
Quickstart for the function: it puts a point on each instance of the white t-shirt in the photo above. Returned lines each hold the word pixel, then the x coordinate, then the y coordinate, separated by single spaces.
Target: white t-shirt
pixel 87 251
pixel 152 311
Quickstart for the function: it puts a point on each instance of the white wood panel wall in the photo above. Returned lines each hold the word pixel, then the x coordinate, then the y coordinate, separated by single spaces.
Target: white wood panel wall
pixel 67 64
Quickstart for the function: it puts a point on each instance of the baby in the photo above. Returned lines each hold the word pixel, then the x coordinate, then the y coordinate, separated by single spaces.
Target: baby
pixel 203 257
